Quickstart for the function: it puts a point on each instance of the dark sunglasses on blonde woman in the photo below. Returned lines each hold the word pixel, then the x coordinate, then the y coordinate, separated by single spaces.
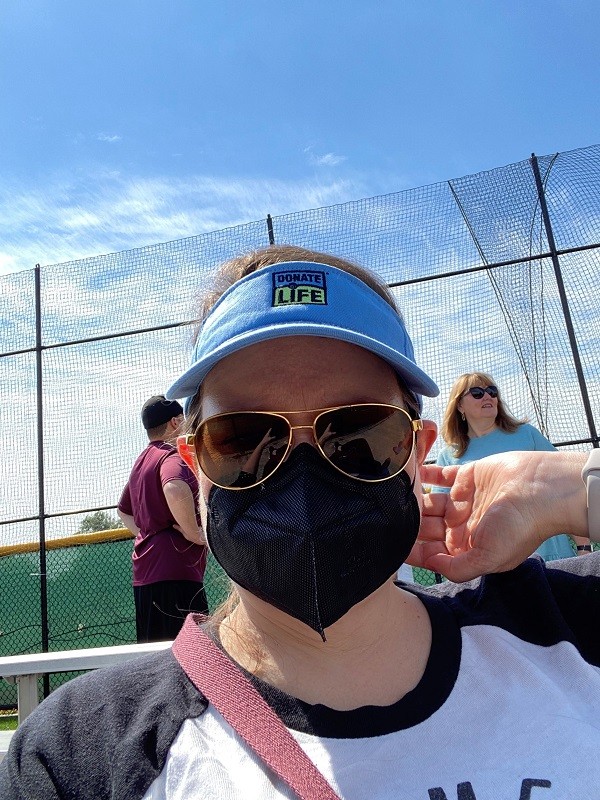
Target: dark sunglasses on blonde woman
pixel 368 442
pixel 478 391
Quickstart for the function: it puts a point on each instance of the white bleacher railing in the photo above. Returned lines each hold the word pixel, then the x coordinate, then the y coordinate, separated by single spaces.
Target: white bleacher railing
pixel 24 670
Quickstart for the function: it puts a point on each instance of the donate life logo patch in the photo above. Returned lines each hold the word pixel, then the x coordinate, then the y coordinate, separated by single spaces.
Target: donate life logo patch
pixel 299 288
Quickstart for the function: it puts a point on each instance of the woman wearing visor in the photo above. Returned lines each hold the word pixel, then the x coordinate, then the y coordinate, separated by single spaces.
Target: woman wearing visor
pixel 303 405
pixel 477 424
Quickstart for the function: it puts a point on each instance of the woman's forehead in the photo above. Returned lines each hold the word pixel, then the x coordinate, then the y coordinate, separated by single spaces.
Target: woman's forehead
pixel 478 379
pixel 303 356
pixel 300 366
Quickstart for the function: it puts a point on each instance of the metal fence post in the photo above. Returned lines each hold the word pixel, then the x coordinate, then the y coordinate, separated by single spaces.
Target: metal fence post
pixel 270 229
pixel 40 455
pixel 563 300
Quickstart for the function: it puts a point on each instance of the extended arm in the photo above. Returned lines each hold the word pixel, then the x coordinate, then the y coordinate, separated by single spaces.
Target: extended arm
pixel 181 503
pixel 580 540
pixel 499 510
pixel 128 521
pixel 251 464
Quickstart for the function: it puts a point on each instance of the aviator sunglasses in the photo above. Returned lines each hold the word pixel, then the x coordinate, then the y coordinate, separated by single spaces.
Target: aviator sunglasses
pixel 478 391
pixel 237 450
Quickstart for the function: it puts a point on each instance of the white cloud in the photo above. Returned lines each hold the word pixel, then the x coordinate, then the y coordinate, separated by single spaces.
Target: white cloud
pixel 329 160
pixel 107 137
pixel 324 160
pixel 8 263
pixel 67 219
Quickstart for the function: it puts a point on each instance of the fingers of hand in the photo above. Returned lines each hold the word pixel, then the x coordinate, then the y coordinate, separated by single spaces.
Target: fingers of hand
pixel 445 519
pixel 438 476
pixel 434 504
pixel 459 568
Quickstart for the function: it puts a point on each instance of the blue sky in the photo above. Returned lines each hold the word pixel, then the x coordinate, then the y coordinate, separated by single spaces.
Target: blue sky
pixel 130 122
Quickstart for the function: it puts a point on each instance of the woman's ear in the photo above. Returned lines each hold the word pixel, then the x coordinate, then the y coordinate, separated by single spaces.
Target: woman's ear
pixel 425 440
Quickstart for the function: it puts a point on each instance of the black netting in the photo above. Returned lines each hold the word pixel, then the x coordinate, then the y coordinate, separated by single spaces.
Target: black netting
pixel 18 443
pixel 17 312
pixel 90 600
pixel 572 189
pixel 497 207
pixel 136 289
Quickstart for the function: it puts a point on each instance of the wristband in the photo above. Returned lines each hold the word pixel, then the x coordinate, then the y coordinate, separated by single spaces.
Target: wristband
pixel 591 477
pixel 584 548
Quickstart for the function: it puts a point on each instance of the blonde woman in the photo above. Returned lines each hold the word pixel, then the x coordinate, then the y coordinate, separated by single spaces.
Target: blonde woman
pixel 477 424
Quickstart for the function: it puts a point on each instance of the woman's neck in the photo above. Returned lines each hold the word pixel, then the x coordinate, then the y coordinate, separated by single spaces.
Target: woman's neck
pixel 373 655
pixel 481 428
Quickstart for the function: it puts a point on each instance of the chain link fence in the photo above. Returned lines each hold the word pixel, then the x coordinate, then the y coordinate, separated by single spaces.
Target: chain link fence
pixel 496 271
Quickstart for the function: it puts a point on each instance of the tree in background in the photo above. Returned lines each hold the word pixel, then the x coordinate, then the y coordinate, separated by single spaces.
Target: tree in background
pixel 99 521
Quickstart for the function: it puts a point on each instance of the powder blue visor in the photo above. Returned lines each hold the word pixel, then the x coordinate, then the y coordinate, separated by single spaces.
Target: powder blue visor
pixel 302 298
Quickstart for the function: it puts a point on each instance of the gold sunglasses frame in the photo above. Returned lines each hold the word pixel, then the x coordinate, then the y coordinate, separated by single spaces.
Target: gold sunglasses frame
pixel 416 424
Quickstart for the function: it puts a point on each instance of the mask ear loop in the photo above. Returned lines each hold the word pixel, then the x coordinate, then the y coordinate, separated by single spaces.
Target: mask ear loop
pixel 187 453
pixel 414 450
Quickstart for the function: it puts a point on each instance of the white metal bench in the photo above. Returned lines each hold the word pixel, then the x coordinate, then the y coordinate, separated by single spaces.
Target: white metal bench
pixel 25 670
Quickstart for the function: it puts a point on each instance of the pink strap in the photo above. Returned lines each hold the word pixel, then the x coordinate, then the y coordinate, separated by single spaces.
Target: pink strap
pixel 234 697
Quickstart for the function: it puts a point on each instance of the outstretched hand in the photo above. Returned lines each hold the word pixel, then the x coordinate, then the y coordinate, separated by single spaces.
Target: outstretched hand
pixel 499 510
pixel 268 437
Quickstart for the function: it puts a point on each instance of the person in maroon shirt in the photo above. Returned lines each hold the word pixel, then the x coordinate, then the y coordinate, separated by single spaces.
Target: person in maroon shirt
pixel 159 506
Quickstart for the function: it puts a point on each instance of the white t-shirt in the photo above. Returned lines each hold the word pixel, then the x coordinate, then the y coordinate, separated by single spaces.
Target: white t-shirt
pixel 508 708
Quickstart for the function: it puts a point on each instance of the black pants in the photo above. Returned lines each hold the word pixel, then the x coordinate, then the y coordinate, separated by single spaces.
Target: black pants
pixel 161 608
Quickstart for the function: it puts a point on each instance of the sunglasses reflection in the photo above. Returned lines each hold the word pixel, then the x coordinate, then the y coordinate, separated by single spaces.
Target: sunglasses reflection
pixel 353 457
pixel 275 456
pixel 248 473
pixel 356 458
pixel 365 442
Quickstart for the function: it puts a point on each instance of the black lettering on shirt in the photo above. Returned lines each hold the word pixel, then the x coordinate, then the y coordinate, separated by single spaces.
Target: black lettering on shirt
pixel 464 791
pixel 529 783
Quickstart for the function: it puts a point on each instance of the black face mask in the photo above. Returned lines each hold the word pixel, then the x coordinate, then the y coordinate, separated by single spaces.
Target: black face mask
pixel 310 540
